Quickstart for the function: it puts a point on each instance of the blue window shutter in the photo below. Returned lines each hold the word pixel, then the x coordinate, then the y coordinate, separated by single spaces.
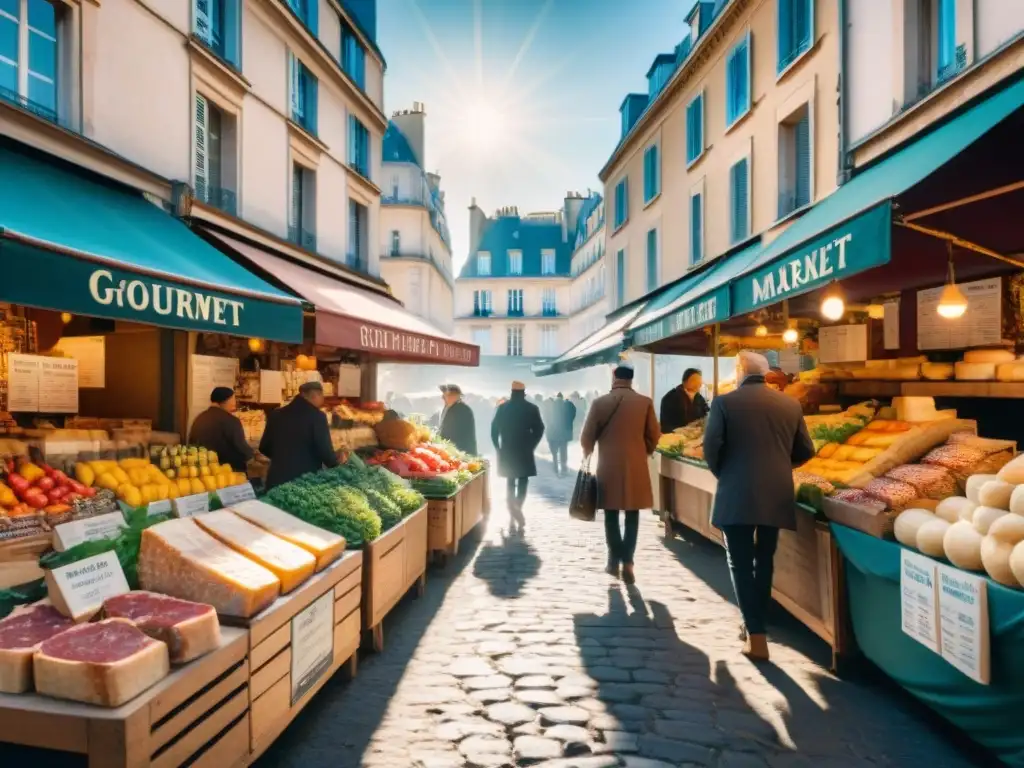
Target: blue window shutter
pixel 690 133
pixel 696 227
pixel 784 33
pixel 312 93
pixel 655 170
pixel 293 81
pixel 739 181
pixel 620 277
pixel 625 200
pixel 313 16
pixel 946 59
pixel 652 259
pixel 802 147
pixel 801 25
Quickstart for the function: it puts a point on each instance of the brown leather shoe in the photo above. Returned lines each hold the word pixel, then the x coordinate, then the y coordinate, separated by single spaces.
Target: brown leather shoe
pixel 627 574
pixel 756 648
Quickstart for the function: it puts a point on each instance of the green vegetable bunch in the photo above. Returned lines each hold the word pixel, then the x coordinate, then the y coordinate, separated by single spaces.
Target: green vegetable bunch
pixel 407 500
pixel 389 512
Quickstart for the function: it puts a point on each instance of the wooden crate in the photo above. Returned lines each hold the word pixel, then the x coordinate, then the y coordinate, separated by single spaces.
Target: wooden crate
pixel 270 647
pixel 19 559
pixel 198 715
pixel 393 564
pixel 472 504
pixel 442 515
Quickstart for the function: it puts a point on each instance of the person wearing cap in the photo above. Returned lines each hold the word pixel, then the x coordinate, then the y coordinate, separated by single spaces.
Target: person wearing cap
pixel 623 425
pixel 754 437
pixel 218 429
pixel 457 424
pixel 516 432
pixel 684 404
pixel 297 439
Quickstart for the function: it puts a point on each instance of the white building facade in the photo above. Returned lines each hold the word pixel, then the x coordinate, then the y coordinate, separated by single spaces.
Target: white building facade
pixel 588 289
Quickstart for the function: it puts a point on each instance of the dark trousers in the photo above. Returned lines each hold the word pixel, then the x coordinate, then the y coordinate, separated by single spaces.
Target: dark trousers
pixel 751 554
pixel 621 548
pixel 517 487
pixel 559 455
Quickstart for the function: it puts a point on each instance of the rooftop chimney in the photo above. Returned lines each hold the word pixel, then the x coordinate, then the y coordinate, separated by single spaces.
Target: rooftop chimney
pixel 412 124
pixel 477 222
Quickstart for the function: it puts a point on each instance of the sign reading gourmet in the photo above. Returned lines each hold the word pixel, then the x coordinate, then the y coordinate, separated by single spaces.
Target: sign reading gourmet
pixel 852 247
pixel 713 308
pixel 394 343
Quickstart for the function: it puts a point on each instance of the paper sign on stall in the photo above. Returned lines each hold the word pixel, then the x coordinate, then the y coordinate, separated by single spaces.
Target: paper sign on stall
pixel 891 324
pixel 67 535
pixel 271 387
pixel 91 354
pixel 190 506
pixel 159 508
pixel 37 384
pixel 349 381
pixel 919 602
pixel 235 494
pixel 79 589
pixel 312 645
pixel 205 374
pixel 981 325
pixel 963 607
pixel 23 383
pixel 843 343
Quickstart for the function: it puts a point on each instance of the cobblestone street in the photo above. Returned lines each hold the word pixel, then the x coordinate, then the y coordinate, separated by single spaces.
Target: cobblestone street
pixel 524 652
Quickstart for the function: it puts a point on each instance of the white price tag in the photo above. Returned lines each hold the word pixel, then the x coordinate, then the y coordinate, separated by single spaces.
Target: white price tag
pixel 159 508
pixel 67 535
pixel 235 494
pixel 312 645
pixel 190 506
pixel 78 590
pixel 963 605
pixel 919 599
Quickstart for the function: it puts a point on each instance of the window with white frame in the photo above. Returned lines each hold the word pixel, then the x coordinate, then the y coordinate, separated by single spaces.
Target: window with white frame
pixel 396 242
pixel 620 277
pixel 737 81
pixel 795 161
pixel 481 336
pixel 303 90
pixel 697 225
pixel 483 264
pixel 214 157
pixel 652 173
pixel 515 301
pixel 482 306
pixel 358 235
pixel 302 221
pixel 739 200
pixel 652 259
pixel 548 340
pixel 515 262
pixel 695 128
pixel 548 302
pixel 514 341
pixel 796 30
pixel 29 42
pixel 217 24
pixel 621 203
pixel 547 263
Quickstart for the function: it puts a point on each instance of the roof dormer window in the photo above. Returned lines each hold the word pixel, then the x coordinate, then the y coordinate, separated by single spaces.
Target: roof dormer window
pixel 483 264
pixel 515 262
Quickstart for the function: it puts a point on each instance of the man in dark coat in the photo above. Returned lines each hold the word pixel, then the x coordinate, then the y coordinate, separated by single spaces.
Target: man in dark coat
pixel 754 438
pixel 297 439
pixel 516 432
pixel 219 430
pixel 559 432
pixel 457 423
pixel 684 404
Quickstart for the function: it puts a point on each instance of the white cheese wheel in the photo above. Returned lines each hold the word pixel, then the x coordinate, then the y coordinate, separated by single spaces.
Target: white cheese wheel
pixel 937 371
pixel 930 536
pixel 974 484
pixel 1017 563
pixel 962 545
pixel 975 371
pixel 985 516
pixel 907 524
pixel 1013 471
pixel 1010 371
pixel 956 508
pixel 989 356
pixel 1017 500
pixel 997 547
pixel 996 493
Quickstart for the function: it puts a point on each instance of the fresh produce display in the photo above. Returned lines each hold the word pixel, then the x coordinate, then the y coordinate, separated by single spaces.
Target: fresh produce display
pixel 686 441
pixel 425 461
pixel 399 434
pixel 363 413
pixel 438 486
pixel 320 500
pixel 28 489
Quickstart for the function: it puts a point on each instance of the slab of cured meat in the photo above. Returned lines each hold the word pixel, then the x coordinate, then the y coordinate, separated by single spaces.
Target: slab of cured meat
pixel 21 634
pixel 188 629
pixel 106 663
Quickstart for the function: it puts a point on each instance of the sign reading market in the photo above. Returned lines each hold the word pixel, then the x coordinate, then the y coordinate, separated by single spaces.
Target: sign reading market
pixel 709 309
pixel 859 244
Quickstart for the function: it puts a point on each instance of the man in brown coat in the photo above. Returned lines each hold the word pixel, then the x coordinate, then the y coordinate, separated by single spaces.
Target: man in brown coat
pixel 623 424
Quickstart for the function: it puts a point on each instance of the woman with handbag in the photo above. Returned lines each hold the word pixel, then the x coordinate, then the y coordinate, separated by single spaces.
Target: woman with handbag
pixel 625 428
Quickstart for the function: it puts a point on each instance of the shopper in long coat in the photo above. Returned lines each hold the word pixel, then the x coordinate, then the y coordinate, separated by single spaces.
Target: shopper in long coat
pixel 516 432
pixel 623 425
pixel 753 439
pixel 297 439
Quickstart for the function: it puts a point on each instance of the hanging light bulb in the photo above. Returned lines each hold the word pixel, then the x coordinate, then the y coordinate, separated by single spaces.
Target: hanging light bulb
pixel 790 336
pixel 65 317
pixel 876 311
pixel 952 302
pixel 761 331
pixel 255 345
pixel 833 304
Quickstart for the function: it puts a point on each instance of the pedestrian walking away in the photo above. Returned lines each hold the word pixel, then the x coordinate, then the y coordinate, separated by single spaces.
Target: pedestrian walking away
pixel 683 404
pixel 559 432
pixel 457 424
pixel 753 439
pixel 622 425
pixel 516 432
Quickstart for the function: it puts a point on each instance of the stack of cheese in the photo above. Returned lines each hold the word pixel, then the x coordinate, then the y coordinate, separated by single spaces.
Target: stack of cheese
pixel 897 369
pixel 843 462
pixel 989 365
pixel 983 530
pixel 238 559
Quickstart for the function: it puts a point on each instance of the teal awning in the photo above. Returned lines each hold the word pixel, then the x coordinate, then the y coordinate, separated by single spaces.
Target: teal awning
pixel 74 242
pixel 850 231
pixel 603 347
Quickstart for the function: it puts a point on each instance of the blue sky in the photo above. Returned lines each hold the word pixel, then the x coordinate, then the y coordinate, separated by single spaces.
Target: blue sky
pixel 522 96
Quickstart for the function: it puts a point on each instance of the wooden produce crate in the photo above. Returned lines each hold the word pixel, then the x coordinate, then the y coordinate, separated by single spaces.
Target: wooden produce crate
pixel 275 635
pixel 393 564
pixel 19 558
pixel 198 715
pixel 473 496
pixel 444 516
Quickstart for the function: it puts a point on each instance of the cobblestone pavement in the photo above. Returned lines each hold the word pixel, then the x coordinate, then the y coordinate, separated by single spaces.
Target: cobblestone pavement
pixel 524 652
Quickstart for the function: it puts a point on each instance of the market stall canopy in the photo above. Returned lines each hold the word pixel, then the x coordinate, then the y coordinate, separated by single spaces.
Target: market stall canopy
pixel 353 318
pixel 603 347
pixel 71 241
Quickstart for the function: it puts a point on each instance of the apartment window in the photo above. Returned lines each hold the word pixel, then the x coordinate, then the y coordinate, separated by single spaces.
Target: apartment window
pixel 696 227
pixel 301 224
pixel 795 161
pixel 621 203
pixel 945 49
pixel 308 11
pixel 796 30
pixel 358 147
pixel 415 303
pixel 483 264
pixel 214 162
pixel 358 233
pixel 695 128
pixel 652 259
pixel 515 301
pixel 396 242
pixel 548 302
pixel 514 341
pixel 216 25
pixel 600 281
pixel 29 32
pixel 549 340
pixel 353 55
pixel 394 186
pixel 737 82
pixel 303 94
pixel 547 263
pixel 515 262
pixel 482 306
pixel 652 170
pixel 620 277
pixel 739 200
pixel 481 336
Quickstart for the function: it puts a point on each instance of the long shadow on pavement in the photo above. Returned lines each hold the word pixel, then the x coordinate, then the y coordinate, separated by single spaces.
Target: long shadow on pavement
pixel 507 566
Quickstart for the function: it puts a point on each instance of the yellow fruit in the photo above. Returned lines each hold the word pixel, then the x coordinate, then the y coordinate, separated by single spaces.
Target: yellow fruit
pixel 210 483
pixel 212 455
pixel 226 470
pixel 171 474
pixel 138 477
pixel 204 471
pixel 239 478
pixel 196 486
pixel 133 463
pixel 163 492
pixel 133 497
pixel 184 486
pixel 221 481
pixel 85 474
pixel 108 481
pixel 120 474
pixel 172 491
pixel 148 493
pixel 177 461
pixel 193 472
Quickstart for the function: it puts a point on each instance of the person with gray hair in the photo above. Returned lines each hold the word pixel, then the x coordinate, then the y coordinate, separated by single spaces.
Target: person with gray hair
pixel 753 439
pixel 297 438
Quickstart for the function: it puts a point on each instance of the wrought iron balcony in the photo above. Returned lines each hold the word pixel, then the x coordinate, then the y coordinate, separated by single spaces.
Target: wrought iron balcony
pixel 391 253
pixel 219 197
pixel 13 97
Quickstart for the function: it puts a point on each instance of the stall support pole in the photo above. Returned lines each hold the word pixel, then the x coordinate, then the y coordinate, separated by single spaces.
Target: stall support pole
pixel 714 380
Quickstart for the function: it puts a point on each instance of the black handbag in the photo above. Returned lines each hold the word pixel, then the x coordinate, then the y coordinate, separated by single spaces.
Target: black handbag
pixel 583 505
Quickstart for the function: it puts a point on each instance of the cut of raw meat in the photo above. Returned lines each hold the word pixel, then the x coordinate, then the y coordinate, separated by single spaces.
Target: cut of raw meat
pixel 180 559
pixel 105 663
pixel 20 636
pixel 189 629
pixel 291 564
pixel 325 546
